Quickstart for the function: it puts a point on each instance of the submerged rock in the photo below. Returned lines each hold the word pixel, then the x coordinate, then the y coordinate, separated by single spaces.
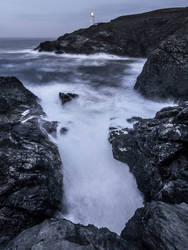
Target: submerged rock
pixel 64 235
pixel 132 35
pixel 63 130
pixel 30 165
pixel 165 74
pixel 158 226
pixel 67 97
pixel 156 151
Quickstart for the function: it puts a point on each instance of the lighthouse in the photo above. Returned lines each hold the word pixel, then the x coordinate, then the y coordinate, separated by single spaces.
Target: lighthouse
pixel 92 18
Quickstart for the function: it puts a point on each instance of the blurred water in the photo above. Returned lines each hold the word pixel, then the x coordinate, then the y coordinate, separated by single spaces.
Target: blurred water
pixel 98 189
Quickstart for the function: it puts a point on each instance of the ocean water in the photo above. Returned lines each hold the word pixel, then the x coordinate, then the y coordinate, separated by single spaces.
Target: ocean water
pixel 97 189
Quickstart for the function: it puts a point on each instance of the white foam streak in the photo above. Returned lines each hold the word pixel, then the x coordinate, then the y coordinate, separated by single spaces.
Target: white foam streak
pixel 97 56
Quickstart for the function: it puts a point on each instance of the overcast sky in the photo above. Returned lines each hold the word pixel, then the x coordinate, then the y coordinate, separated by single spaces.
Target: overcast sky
pixel 51 18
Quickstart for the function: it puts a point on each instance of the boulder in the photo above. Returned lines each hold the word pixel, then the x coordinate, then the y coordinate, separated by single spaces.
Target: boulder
pixel 67 97
pixel 64 235
pixel 132 35
pixel 30 165
pixel 165 74
pixel 156 151
pixel 63 131
pixel 158 226
pixel 16 102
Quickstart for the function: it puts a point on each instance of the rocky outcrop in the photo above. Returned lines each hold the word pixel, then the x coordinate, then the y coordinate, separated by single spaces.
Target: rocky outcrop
pixel 67 97
pixel 64 235
pixel 165 74
pixel 133 35
pixel 156 151
pixel 30 165
pixel 158 226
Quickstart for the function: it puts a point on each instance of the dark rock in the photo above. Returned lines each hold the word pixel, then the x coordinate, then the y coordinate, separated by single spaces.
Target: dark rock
pixel 158 226
pixel 156 151
pixel 67 97
pixel 63 130
pixel 30 165
pixel 165 74
pixel 64 235
pixel 16 101
pixel 133 35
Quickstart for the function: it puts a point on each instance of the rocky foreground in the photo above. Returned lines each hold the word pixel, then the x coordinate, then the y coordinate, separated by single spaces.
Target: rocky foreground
pixel 156 151
pixel 30 165
pixel 31 181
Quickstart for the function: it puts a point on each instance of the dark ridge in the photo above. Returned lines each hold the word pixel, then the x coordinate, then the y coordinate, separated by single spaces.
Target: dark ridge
pixel 132 35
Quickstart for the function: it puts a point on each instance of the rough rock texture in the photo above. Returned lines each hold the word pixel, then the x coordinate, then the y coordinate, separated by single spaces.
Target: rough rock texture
pixel 156 151
pixel 64 235
pixel 16 101
pixel 165 74
pixel 67 97
pixel 159 226
pixel 133 35
pixel 30 166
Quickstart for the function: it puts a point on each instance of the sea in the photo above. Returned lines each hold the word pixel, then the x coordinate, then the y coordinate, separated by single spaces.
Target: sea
pixel 97 189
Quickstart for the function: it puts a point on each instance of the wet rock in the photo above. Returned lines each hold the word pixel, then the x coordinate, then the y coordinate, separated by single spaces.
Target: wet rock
pixel 165 74
pixel 63 131
pixel 67 97
pixel 16 102
pixel 30 165
pixel 62 234
pixel 132 35
pixel 156 151
pixel 158 226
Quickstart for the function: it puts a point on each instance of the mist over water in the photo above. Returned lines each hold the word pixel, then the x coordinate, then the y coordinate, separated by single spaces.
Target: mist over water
pixel 97 189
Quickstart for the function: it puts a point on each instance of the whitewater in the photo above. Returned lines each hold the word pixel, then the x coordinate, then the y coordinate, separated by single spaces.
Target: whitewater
pixel 97 189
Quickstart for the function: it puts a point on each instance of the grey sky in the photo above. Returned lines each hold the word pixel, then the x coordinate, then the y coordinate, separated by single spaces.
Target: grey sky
pixel 51 18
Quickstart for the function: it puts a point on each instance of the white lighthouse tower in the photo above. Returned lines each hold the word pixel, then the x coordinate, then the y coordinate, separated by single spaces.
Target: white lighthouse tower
pixel 92 18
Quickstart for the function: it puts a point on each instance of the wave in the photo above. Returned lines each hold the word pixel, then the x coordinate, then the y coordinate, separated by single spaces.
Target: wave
pixel 97 56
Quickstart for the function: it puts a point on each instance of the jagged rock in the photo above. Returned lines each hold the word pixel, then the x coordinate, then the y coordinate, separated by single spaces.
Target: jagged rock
pixel 165 74
pixel 158 226
pixel 64 235
pixel 156 151
pixel 30 165
pixel 67 97
pixel 132 35
pixel 16 102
